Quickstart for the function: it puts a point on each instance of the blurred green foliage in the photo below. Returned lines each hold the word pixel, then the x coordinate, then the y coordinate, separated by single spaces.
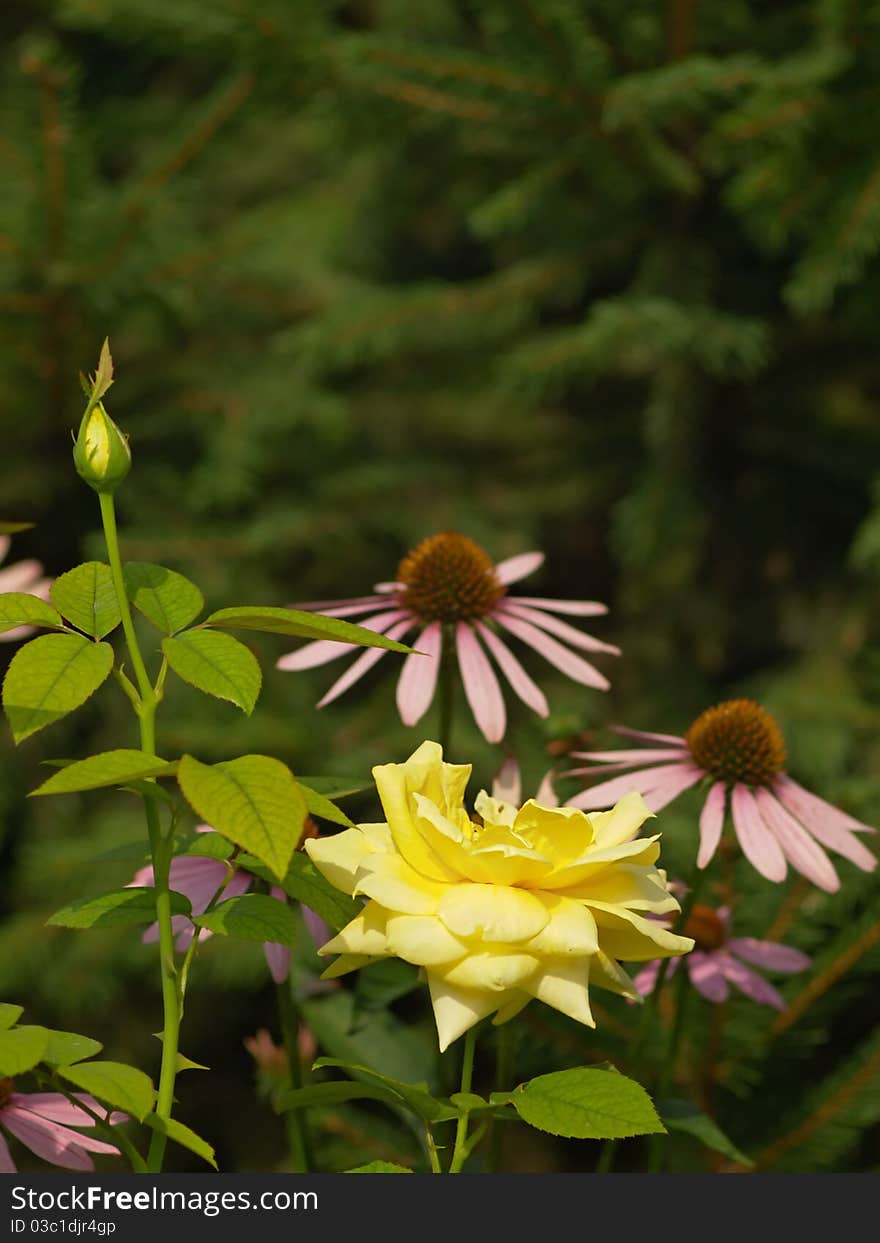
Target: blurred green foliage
pixel 570 274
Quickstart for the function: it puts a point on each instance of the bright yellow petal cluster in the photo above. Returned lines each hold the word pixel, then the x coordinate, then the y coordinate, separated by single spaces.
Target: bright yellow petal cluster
pixel 522 903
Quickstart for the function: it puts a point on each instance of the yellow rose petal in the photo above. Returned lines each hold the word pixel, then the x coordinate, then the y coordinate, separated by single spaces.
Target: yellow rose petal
pixel 423 940
pixel 492 912
pixel 608 974
pixel 391 881
pixel 456 1010
pixel 563 985
pixel 561 833
pixel 570 931
pixel 625 935
pixel 339 857
pixel 365 934
pixel 630 885
pixel 622 822
pixel 495 970
pixel 396 784
pixel 346 963
pixel 644 851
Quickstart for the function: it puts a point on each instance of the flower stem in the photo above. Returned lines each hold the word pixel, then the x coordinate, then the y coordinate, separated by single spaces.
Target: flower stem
pixel 446 688
pixel 161 848
pixel 503 1073
pixel 297 1127
pixel 433 1155
pixel 460 1151
pixel 657 1155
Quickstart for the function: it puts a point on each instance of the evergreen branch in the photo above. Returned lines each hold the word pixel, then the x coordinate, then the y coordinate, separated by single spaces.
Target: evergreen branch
pixel 789 910
pixel 416 96
pixel 826 978
pixel 483 73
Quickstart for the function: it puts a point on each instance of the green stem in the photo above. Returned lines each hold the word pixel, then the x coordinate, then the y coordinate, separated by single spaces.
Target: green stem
pixel 433 1155
pixel 503 1075
pixel 657 1155
pixel 606 1157
pixel 297 1127
pixel 160 848
pixel 446 687
pixel 460 1151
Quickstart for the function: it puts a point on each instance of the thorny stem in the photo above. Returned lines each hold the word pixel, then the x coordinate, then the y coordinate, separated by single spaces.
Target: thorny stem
pixel 460 1151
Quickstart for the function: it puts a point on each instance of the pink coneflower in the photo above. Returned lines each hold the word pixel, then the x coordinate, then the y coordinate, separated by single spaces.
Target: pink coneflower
pixel 718 960
pixel 738 746
pixel 42 1121
pixel 449 585
pixel 22 576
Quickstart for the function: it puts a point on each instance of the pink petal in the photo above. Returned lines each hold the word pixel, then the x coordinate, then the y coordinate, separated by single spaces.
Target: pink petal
pixel 561 629
pixel 53 1143
pixel 644 780
pixel 480 684
pixel 316 927
pixel 527 690
pixel 646 979
pixel 759 845
pixel 675 784
pixel 768 954
pixel 802 851
pixel 7 1165
pixel 386 588
pixel 322 651
pixel 418 677
pixel 86 1142
pixel 507 786
pixel 641 736
pixel 277 960
pixel 364 662
pixel 750 983
pixel 638 755
pixel 574 608
pixel 58 1108
pixel 829 825
pixel 342 608
pixel 5 541
pixel 567 662
pixel 706 977
pixel 711 824
pixel 545 795
pixel 18 577
pixel 515 568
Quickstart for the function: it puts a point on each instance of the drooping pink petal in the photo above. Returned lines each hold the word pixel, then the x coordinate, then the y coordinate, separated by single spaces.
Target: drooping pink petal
pixel 574 667
pixel 638 755
pixel 507 786
pixel 418 677
pixel 521 566
pixel 705 974
pixel 546 795
pixel 277 954
pixel 527 690
pixel 711 824
pixel 388 588
pixel 574 608
pixel 641 735
pixel 562 630
pixel 646 979
pixel 18 577
pixel 48 1140
pixel 480 684
pixel 342 608
pixel 87 1142
pixel 644 781
pixel 759 845
pixel 769 954
pixel 750 983
pixel 595 770
pixel 802 851
pixel 316 927
pixel 199 885
pixel 828 824
pixel 322 651
pixel 369 657
pixel 58 1108
pixel 7 1165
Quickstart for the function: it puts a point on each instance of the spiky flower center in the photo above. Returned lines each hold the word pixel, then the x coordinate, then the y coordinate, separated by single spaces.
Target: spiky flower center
pixel 706 927
pixel 7 1087
pixel 737 741
pixel 449 578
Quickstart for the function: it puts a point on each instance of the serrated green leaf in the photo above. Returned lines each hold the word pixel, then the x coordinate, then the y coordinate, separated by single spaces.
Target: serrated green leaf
pixel 86 596
pixel 300 625
pixel 51 676
pixel 19 608
pixel 216 664
pixel 165 598
pixel 252 917
pixel 207 846
pixel 683 1116
pixel 9 1014
pixel 585 1103
pixel 379 1167
pixel 337 787
pixel 320 805
pixel 304 882
pixel 182 1135
pixel 110 768
pixel 123 1087
pixel 13 528
pixel 254 801
pixel 66 1048
pixel 121 907
pixel 415 1096
pixel 21 1049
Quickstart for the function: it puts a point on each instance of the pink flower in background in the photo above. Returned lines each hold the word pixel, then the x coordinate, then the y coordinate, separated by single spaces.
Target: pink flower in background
pixel 22 576
pixel 448 583
pixel 738 746
pixel 717 961
pixel 42 1121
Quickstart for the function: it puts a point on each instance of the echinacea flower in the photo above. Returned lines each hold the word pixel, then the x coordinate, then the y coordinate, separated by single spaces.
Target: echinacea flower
pixel 449 585
pixel 531 902
pixel 738 746
pixel 42 1121
pixel 719 960
pixel 24 576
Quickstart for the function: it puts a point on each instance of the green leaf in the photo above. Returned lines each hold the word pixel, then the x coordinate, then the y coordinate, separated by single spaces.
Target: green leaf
pixel 683 1116
pixel 86 596
pixel 299 625
pixel 165 598
pixel 115 1084
pixel 13 528
pixel 337 787
pixel 415 1096
pixel 587 1104
pixel 378 1039
pixel 254 801
pixel 112 910
pixel 216 664
pixel 335 1094
pixel 110 768
pixel 65 1048
pixel 21 1049
pixel 379 1167
pixel 383 982
pixel 19 608
pixel 252 917
pixel 207 846
pixel 9 1014
pixel 182 1135
pixel 318 805
pixel 304 882
pixel 51 676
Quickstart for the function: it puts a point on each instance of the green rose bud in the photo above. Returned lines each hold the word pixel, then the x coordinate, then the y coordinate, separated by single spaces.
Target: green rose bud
pixel 101 453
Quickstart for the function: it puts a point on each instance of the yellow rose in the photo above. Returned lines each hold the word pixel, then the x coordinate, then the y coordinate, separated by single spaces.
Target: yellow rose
pixel 532 903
